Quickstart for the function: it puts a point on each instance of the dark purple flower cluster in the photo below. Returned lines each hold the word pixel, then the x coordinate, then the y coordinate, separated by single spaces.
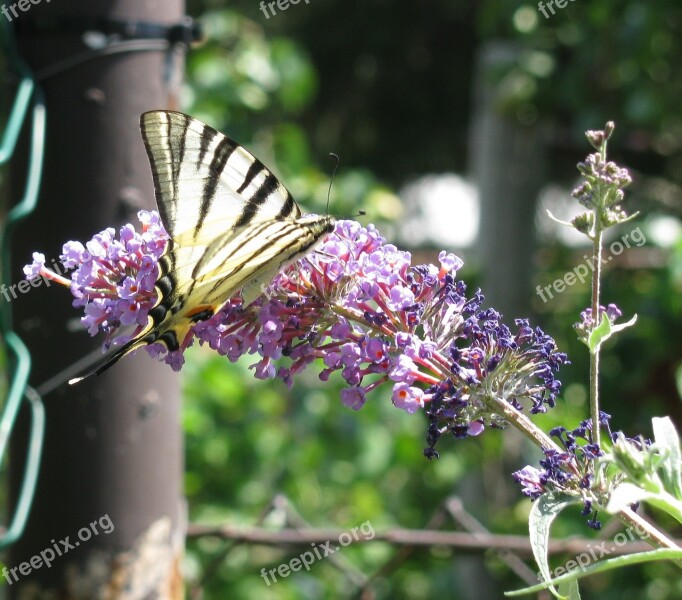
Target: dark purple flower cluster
pixel 359 306
pixel 571 470
pixel 490 362
pixel 567 470
pixel 587 323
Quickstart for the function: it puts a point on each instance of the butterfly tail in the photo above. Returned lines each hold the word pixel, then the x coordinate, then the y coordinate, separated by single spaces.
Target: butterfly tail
pixel 110 360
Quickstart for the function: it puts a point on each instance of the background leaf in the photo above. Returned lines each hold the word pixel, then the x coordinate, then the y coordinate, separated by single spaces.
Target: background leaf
pixel 670 469
pixel 545 509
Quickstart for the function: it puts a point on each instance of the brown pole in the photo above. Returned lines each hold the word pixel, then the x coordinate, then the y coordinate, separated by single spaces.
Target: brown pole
pixel 509 160
pixel 108 509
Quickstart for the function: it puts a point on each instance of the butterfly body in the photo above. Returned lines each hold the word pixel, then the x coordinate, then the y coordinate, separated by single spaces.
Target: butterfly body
pixel 232 226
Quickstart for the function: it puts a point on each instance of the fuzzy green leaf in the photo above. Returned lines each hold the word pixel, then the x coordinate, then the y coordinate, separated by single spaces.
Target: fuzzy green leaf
pixel 604 331
pixel 670 470
pixel 546 508
pixel 626 494
pixel 599 334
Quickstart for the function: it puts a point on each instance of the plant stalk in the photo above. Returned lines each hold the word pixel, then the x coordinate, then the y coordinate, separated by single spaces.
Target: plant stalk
pixel 594 356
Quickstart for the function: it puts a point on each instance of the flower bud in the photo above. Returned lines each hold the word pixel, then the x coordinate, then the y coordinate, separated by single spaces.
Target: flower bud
pixel 583 222
pixel 596 138
pixel 631 460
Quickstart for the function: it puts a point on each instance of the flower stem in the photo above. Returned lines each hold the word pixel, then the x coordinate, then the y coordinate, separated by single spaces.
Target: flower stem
pixel 52 276
pixel 594 356
pixel 522 423
pixel 649 532
pixel 597 243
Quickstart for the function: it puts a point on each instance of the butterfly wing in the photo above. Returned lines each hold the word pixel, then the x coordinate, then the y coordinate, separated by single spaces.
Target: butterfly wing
pixel 251 255
pixel 228 216
pixel 232 225
pixel 205 182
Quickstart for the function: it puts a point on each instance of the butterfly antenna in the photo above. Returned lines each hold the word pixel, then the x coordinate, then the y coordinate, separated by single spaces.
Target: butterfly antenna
pixel 331 181
pixel 361 213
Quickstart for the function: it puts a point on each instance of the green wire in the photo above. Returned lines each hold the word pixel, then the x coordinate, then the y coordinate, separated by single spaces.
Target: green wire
pixel 27 92
pixel 27 89
pixel 16 118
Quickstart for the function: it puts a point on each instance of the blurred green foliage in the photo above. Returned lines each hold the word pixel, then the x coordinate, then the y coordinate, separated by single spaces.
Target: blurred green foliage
pixel 249 440
pixel 594 61
pixel 387 86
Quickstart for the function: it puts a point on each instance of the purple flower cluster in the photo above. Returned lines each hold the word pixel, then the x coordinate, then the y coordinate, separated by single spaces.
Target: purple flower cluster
pixel 490 362
pixel 113 278
pixel 587 323
pixel 360 307
pixel 572 470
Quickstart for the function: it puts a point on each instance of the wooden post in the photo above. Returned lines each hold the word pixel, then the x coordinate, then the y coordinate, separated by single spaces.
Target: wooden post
pixel 108 511
pixel 509 166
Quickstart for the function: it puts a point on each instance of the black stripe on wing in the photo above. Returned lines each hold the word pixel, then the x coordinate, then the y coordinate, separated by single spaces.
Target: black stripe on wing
pixel 169 339
pixel 260 197
pixel 204 142
pixel 222 153
pixel 304 237
pixel 176 162
pixel 246 260
pixel 288 208
pixel 166 286
pixel 255 169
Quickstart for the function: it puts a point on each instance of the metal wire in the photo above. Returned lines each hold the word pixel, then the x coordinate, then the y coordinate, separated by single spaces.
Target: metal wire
pixel 28 103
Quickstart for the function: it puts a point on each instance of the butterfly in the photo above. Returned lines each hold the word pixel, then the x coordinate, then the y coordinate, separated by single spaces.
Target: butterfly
pixel 232 226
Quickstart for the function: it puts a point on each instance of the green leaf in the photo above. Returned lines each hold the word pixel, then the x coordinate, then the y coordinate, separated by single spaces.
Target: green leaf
pixel 570 589
pixel 626 494
pixel 599 334
pixel 670 470
pixel 616 328
pixel 546 508
pixel 605 565
pixel 604 331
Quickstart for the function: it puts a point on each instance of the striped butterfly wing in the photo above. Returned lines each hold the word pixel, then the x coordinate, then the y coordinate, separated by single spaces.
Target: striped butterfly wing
pixel 232 226
pixel 205 182
pixel 249 257
pixel 230 220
